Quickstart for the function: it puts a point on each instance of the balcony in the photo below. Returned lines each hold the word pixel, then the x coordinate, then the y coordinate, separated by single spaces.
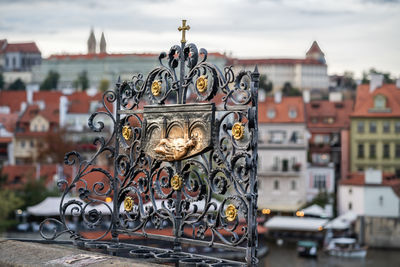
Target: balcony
pixel 284 169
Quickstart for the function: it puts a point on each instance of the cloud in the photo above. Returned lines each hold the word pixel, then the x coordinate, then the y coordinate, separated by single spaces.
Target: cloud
pixel 354 34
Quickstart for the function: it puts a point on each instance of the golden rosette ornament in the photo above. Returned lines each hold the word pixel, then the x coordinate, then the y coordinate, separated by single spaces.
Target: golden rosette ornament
pixel 127 132
pixel 176 182
pixel 128 204
pixel 231 213
pixel 156 88
pixel 237 131
pixel 202 83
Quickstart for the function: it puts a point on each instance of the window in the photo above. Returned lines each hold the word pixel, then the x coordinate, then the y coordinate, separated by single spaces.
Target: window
pixel 292 113
pixel 360 151
pixel 329 120
pixel 293 185
pixel 386 151
pixel 277 137
pixel 360 127
pixel 380 102
pixel 276 185
pixel 319 181
pixel 321 158
pixel 276 164
pixel 386 127
pixel 271 113
pixel 43 128
pixel 372 151
pixel 350 206
pixel 397 127
pixel 32 144
pixel 35 128
pixel 372 127
pixel 350 191
pixel 318 139
pixel 23 143
pixel 397 172
pixel 294 137
pixel 314 120
pixel 397 151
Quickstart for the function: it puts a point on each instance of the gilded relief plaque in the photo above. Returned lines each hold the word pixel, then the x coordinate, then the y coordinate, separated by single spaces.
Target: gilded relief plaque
pixel 177 132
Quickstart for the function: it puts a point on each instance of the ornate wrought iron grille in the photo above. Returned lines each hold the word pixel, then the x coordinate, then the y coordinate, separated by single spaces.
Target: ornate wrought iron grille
pixel 184 152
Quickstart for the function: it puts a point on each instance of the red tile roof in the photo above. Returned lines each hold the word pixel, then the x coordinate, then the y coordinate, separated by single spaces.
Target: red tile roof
pixel 18 175
pixel 12 99
pixel 321 109
pixel 9 121
pixel 50 112
pixel 281 110
pixel 314 48
pixel 365 101
pixel 358 179
pixel 79 102
pixel 273 61
pixel 22 47
pixel 98 56
pixel 106 55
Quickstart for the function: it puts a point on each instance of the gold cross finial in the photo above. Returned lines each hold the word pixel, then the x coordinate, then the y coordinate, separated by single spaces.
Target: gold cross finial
pixel 183 29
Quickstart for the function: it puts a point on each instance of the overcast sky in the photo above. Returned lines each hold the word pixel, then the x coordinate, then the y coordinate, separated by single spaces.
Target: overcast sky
pixel 354 34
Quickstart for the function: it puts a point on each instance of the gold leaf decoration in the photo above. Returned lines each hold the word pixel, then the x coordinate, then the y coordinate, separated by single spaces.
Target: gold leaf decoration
pixel 231 212
pixel 128 204
pixel 237 131
pixel 176 182
pixel 202 83
pixel 127 132
pixel 156 88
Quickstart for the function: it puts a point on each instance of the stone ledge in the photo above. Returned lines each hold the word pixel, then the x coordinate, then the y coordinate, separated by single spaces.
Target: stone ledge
pixel 17 253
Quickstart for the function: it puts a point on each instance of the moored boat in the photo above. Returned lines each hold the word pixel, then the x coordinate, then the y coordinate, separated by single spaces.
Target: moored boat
pixel 307 248
pixel 346 247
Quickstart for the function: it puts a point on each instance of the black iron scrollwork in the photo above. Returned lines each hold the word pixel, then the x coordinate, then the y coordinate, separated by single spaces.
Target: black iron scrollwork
pixel 205 199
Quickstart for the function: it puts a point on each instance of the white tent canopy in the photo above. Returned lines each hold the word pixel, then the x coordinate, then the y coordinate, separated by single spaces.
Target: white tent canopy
pixel 295 223
pixel 342 222
pixel 51 206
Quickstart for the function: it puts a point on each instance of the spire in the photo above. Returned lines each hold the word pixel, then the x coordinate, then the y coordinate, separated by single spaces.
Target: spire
pixel 316 53
pixel 91 43
pixel 103 44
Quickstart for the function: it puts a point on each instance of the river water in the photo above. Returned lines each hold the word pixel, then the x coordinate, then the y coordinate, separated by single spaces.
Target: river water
pixel 286 255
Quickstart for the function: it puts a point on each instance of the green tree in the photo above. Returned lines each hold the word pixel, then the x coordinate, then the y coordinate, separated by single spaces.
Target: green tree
pixel 1 81
pixel 348 81
pixel 82 82
pixel 51 81
pixel 18 84
pixel 288 90
pixel 104 85
pixel 387 77
pixel 9 202
pixel 265 84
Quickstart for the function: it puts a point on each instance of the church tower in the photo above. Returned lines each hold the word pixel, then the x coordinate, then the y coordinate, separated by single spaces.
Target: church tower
pixel 91 43
pixel 103 44
pixel 315 53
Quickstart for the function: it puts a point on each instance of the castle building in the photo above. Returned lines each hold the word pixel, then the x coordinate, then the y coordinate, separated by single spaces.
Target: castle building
pixel 103 66
pixel 309 73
